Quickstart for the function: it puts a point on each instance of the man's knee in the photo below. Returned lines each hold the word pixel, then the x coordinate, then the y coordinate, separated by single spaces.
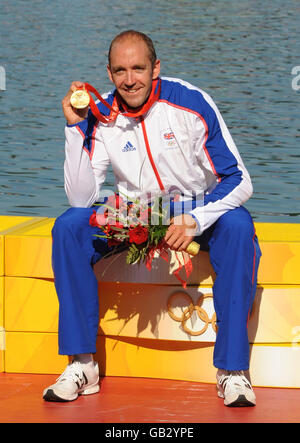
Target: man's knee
pixel 237 221
pixel 72 219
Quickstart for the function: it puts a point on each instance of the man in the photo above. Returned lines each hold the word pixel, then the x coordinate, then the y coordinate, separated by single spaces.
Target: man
pixel 178 140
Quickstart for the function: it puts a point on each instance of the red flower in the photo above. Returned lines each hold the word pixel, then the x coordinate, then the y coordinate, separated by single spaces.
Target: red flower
pixel 118 225
pixel 93 219
pixel 138 235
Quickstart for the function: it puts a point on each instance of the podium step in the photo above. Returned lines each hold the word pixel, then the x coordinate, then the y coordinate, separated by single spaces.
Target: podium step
pixel 144 328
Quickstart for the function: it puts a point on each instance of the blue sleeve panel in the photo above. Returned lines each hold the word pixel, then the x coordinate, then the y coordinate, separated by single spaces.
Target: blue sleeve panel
pixel 87 126
pixel 222 160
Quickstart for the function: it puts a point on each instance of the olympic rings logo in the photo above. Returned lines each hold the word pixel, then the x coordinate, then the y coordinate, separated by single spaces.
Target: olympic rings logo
pixel 187 313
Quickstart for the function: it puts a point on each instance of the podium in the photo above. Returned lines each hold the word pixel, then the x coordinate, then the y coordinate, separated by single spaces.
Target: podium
pixel 149 325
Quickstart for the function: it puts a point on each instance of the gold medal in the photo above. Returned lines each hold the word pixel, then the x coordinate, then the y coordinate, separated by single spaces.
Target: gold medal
pixel 193 248
pixel 80 99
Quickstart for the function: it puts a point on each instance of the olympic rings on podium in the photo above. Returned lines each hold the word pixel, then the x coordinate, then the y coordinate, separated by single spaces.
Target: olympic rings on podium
pixel 187 313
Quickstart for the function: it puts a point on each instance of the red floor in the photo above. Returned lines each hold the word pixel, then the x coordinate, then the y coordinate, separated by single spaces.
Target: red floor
pixel 129 400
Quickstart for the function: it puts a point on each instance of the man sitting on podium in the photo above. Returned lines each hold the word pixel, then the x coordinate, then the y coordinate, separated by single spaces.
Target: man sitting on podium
pixel 201 158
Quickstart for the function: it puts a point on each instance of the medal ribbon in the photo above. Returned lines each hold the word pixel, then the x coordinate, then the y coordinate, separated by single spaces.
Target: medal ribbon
pixel 187 265
pixel 162 250
pixel 115 108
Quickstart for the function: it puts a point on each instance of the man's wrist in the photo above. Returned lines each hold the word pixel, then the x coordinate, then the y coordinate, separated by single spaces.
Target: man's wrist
pixel 74 123
pixel 198 226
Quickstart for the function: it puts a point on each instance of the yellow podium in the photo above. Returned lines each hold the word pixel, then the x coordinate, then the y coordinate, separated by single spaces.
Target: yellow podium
pixel 8 225
pixel 149 325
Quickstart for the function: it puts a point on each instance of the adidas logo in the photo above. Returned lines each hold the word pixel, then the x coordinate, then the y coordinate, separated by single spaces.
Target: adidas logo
pixel 128 147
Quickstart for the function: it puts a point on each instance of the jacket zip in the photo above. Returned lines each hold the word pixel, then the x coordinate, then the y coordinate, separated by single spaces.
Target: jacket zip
pixel 161 186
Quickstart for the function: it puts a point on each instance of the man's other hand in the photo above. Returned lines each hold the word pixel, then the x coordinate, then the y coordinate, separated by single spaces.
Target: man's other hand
pixel 71 114
pixel 181 232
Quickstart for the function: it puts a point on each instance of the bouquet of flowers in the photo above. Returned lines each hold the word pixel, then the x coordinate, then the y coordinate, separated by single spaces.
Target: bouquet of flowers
pixel 140 227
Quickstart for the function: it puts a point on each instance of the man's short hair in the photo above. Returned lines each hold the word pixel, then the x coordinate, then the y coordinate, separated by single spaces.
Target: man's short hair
pixel 139 35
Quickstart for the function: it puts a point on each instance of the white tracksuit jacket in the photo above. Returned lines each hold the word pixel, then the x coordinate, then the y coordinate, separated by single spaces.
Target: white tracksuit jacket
pixel 181 144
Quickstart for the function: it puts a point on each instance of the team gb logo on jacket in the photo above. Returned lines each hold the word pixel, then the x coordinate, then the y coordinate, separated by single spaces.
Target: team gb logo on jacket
pixel 169 139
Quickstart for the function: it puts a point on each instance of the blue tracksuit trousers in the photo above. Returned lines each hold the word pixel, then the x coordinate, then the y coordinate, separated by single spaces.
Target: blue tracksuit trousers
pixel 234 254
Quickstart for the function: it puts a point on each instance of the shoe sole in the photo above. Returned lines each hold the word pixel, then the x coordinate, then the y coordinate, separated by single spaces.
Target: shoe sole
pixel 241 401
pixel 238 402
pixel 51 396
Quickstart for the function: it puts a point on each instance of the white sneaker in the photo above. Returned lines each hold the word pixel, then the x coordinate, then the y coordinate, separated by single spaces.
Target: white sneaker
pixel 73 382
pixel 235 388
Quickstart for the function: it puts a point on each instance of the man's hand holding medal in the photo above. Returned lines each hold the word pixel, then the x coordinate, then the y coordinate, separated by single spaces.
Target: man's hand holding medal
pixel 76 103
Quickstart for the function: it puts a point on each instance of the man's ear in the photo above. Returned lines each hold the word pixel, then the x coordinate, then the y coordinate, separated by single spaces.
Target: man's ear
pixel 109 73
pixel 156 69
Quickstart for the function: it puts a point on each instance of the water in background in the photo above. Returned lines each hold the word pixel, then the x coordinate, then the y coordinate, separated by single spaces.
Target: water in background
pixel 241 52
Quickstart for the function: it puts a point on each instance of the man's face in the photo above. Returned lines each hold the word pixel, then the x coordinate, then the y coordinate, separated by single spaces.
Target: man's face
pixel 131 70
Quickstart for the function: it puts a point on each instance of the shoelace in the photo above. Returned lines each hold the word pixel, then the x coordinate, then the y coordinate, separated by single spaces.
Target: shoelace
pixel 73 372
pixel 237 377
